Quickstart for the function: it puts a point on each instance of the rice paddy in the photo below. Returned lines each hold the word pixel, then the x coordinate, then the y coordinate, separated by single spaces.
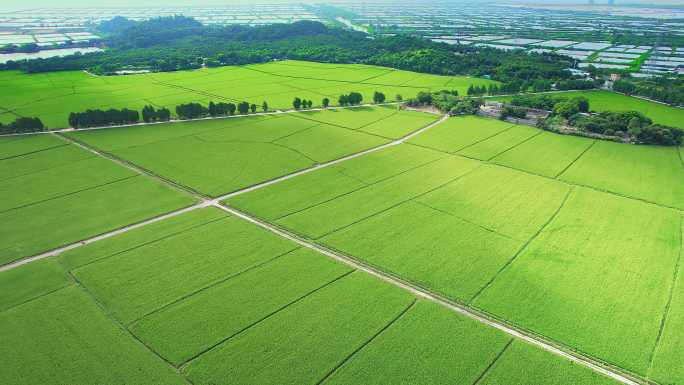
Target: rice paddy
pixel 570 239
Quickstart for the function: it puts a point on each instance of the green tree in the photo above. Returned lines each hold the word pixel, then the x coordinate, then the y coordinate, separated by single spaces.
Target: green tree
pixel 264 107
pixel 378 97
pixel 243 108
pixel 253 108
pixel 325 102
pixel 297 103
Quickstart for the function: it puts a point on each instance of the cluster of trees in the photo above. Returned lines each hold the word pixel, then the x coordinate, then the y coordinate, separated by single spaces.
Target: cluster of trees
pixel 299 103
pixel 578 84
pixel 480 90
pixel 352 99
pixel 513 112
pixel 98 118
pixel 559 105
pixel 628 124
pixel 176 43
pixel 150 114
pixel 447 101
pixel 21 125
pixel 631 124
pixel 378 97
pixel 196 110
pixel 662 89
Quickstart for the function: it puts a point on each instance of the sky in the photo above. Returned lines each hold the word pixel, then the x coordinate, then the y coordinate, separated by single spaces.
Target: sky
pixel 24 4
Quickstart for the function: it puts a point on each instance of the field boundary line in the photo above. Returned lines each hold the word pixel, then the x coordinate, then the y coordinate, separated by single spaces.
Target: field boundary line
pixel 147 243
pixel 355 130
pixel 485 228
pixel 68 284
pixel 404 201
pixel 515 145
pixel 369 341
pixel 133 167
pixel 105 235
pixel 485 139
pixel 666 312
pixel 123 328
pixel 589 147
pixel 70 193
pixel 34 152
pixel 566 182
pixel 210 285
pixel 491 364
pixel 472 313
pixel 524 246
pixel 265 317
pixel 365 185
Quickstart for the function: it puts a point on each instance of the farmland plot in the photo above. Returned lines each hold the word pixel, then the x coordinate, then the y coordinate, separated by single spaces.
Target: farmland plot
pixel 114 139
pixel 329 216
pixel 60 181
pixel 500 143
pixel 411 352
pixel 429 248
pixel 14 146
pixel 182 331
pixel 30 281
pixel 140 237
pixel 41 161
pixel 314 335
pixel 458 133
pixel 143 280
pixel 354 118
pixel 52 339
pixel 63 220
pixel 594 278
pixel 498 199
pixel 297 194
pixel 666 365
pixel 229 156
pixel 525 364
pixel 547 154
pixel 400 124
pixel 651 173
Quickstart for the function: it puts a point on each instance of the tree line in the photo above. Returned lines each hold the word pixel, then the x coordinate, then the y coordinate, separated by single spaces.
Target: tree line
pixel 447 101
pixel 22 125
pixel 662 89
pixel 99 118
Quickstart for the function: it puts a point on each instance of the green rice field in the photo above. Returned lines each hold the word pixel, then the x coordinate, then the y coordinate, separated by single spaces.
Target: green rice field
pixel 52 96
pixel 216 157
pixel 230 251
pixel 266 311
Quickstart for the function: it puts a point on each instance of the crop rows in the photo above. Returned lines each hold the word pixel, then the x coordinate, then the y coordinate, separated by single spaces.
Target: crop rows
pixel 262 311
pixel 553 234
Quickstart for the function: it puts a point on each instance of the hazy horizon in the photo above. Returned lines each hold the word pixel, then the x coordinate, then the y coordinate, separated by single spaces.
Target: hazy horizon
pixel 19 4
